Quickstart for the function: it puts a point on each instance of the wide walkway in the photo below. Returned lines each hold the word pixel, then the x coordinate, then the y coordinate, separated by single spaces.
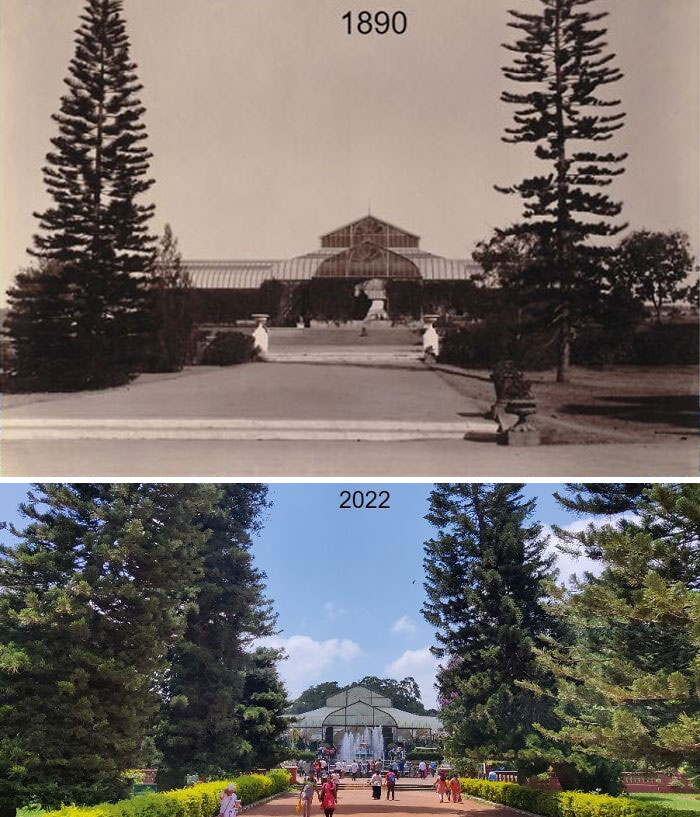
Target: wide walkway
pixel 295 420
pixel 356 803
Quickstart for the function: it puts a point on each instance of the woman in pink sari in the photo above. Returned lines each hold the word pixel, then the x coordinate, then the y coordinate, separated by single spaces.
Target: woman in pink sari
pixel 327 797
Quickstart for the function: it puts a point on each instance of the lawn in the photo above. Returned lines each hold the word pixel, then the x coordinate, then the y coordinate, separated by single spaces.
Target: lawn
pixel 682 802
pixel 620 404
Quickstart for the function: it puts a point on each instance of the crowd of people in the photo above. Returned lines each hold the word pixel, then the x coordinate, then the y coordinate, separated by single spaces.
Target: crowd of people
pixel 322 780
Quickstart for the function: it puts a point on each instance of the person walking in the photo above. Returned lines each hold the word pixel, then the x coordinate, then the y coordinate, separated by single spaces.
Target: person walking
pixel 422 769
pixel 229 804
pixel 433 767
pixel 376 783
pixel 390 784
pixel 354 767
pixel 456 789
pixel 328 798
pixel 441 787
pixel 306 796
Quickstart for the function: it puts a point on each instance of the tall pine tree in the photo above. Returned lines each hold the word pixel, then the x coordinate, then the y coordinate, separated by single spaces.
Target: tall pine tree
pixel 485 573
pixel 629 687
pixel 561 54
pixel 79 321
pixel 204 722
pixel 92 595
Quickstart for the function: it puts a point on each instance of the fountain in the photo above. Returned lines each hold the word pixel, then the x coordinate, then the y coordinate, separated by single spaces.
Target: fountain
pixel 365 745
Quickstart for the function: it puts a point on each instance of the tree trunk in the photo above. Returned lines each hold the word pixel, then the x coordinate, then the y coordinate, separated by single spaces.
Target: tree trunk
pixel 564 347
pixel 8 808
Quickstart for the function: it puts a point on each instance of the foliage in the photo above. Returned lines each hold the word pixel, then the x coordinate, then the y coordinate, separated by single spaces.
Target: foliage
pixel 314 697
pixel 92 594
pixel 560 55
pixel 425 754
pixel 264 701
pixel 200 800
pixel 653 266
pixel 221 700
pixel 78 320
pixel 228 349
pixel 485 570
pixel 560 804
pixel 172 309
pixel 404 694
pixel 628 687
pixel 482 345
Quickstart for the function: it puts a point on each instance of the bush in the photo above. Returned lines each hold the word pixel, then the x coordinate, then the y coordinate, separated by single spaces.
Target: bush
pixel 200 800
pixel 561 803
pixel 424 754
pixel 228 349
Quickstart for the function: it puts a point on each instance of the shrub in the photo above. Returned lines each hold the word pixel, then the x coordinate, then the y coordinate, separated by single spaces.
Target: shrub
pixel 424 754
pixel 228 349
pixel 200 800
pixel 561 803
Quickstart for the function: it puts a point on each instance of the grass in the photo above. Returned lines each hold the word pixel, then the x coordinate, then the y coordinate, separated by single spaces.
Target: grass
pixel 681 802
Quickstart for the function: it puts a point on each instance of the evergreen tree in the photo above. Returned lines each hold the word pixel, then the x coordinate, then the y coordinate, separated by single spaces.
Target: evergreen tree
pixel 203 725
pixel 83 325
pixel 561 55
pixel 172 308
pixel 630 685
pixel 262 711
pixel 601 498
pixel 485 574
pixel 92 595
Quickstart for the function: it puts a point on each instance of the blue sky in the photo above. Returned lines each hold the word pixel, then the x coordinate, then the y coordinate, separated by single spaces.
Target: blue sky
pixel 347 584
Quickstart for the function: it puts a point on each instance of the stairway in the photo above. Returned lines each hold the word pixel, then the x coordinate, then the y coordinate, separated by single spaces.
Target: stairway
pixel 349 355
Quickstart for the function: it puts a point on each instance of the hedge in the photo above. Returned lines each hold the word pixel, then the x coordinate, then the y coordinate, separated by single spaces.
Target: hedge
pixel 200 800
pixel 562 803
pixel 424 754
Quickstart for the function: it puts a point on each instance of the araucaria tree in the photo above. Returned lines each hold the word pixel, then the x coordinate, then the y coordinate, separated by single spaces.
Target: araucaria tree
pixel 93 594
pixel 94 248
pixel 219 693
pixel 628 688
pixel 485 583
pixel 561 55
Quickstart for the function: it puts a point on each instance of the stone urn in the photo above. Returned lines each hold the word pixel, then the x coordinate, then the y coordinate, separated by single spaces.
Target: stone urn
pixel 431 339
pixel 261 336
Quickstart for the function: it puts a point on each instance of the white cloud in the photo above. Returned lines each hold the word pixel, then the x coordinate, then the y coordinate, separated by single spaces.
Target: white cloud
pixel 308 659
pixel 404 626
pixel 577 565
pixel 422 665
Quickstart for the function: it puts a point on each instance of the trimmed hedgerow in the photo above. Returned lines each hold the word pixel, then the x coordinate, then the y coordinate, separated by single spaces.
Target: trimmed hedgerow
pixel 561 803
pixel 200 800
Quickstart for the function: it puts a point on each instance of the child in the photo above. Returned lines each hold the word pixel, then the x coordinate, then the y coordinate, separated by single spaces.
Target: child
pixel 441 787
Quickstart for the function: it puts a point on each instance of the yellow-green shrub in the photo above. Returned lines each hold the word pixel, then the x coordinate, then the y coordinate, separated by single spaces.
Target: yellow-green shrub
pixel 200 800
pixel 561 803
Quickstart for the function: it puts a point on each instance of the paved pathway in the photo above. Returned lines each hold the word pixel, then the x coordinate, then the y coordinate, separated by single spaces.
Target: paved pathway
pixel 270 390
pixel 428 459
pixel 280 394
pixel 356 803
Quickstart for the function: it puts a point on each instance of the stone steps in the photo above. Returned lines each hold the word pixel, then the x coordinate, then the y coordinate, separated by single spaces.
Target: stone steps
pixel 376 356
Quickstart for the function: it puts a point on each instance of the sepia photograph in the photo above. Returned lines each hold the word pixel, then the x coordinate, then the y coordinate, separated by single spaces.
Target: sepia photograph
pixel 267 238
pixel 193 650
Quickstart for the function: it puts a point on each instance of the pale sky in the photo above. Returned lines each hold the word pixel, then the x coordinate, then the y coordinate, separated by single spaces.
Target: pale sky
pixel 270 125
